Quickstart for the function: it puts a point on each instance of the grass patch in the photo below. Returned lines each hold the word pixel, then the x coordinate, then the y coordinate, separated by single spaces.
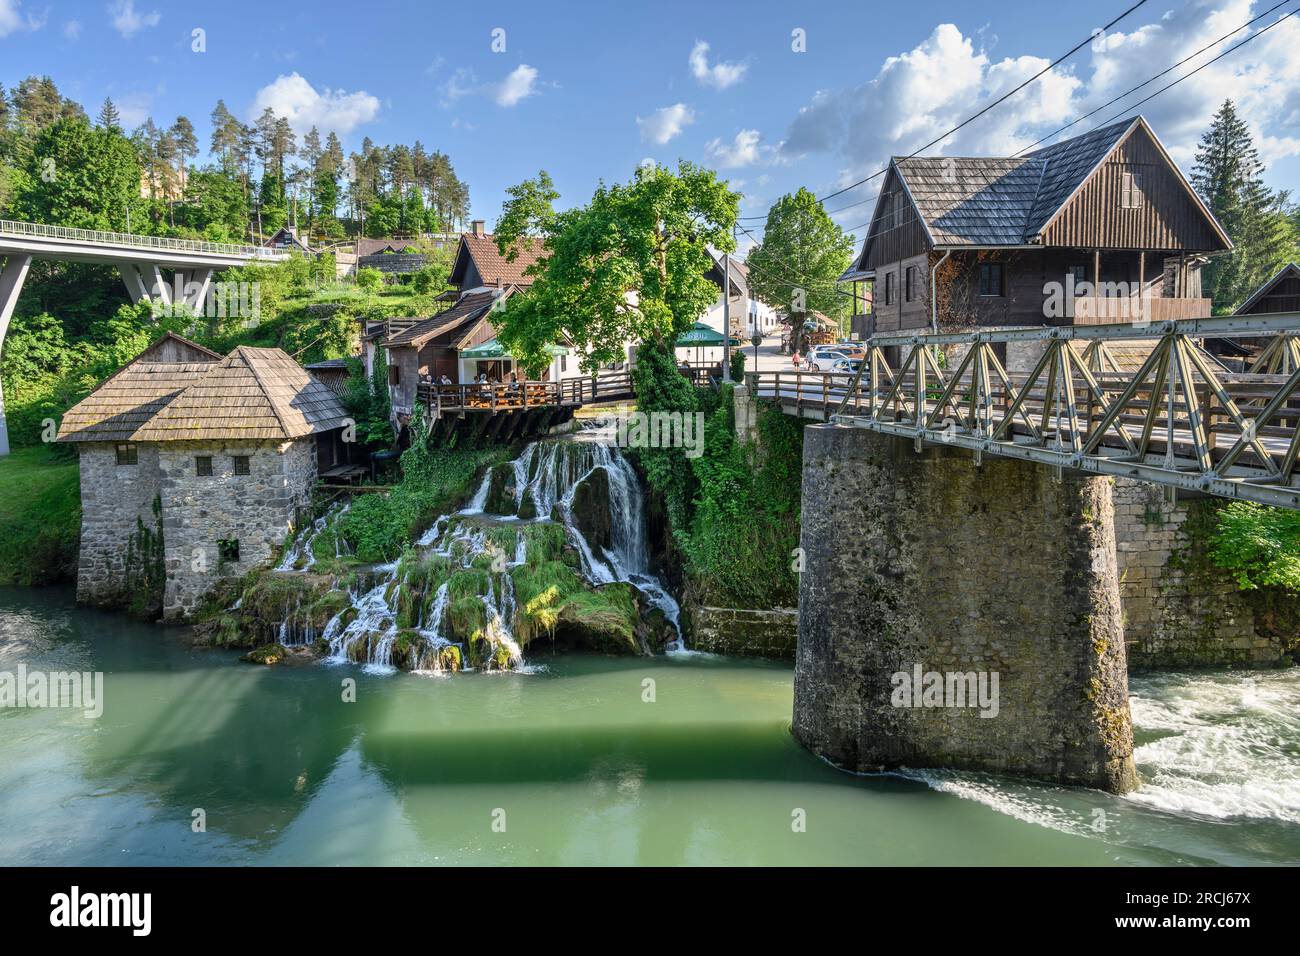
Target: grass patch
pixel 40 515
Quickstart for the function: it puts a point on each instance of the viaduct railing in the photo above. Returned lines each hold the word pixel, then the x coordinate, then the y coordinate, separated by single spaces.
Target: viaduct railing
pixel 1179 419
pixel 35 230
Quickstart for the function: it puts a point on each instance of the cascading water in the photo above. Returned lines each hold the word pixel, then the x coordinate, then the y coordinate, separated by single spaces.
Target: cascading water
pixel 301 553
pixel 404 619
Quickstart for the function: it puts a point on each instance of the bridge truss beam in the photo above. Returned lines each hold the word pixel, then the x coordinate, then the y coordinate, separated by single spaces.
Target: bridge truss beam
pixel 1180 420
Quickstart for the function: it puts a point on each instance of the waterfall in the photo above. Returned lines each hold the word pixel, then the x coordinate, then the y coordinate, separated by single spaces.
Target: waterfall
pixel 397 622
pixel 301 549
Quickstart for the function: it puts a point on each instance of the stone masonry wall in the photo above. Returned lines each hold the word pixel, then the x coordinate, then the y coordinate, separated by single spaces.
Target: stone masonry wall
pixel 259 510
pixel 1179 610
pixel 114 498
pixel 925 559
pixel 740 632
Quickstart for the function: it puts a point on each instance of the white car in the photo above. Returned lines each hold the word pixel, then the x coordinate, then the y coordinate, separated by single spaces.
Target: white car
pixel 824 359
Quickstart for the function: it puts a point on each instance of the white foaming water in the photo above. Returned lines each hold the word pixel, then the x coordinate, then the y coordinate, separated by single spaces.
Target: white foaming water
pixel 301 550
pixel 1219 745
pixel 1223 746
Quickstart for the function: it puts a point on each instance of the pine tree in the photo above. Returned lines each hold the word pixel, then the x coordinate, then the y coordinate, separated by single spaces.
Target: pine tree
pixel 109 118
pixel 1227 174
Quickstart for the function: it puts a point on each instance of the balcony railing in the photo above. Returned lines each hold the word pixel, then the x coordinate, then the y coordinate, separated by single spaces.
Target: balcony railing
pixel 36 230
pixel 1105 310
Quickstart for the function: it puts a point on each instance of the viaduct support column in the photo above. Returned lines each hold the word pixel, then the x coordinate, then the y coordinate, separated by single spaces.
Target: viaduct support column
pixel 927 579
pixel 12 277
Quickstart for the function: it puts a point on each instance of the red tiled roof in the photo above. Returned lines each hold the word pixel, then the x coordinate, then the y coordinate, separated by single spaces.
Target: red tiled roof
pixel 493 266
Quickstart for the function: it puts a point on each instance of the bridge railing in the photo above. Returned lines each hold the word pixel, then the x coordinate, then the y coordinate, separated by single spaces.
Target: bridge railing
pixel 1177 418
pixel 36 230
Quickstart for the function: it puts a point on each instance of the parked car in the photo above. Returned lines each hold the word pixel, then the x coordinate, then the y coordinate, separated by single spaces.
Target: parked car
pixel 846 366
pixel 854 350
pixel 823 358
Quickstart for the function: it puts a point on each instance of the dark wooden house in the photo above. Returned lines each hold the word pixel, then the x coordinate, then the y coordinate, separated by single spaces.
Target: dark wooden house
pixel 1279 294
pixel 430 349
pixel 480 263
pixel 1102 227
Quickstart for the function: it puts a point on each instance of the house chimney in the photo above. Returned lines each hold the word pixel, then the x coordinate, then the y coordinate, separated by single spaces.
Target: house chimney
pixel 477 227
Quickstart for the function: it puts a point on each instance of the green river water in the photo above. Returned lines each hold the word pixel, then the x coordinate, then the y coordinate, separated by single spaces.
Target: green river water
pixel 578 767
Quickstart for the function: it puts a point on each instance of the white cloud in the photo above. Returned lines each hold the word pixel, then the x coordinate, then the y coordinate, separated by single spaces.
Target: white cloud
pixel 919 94
pixel 127 21
pixel 134 108
pixel 72 29
pixel 744 150
pixel 12 19
pixel 519 85
pixel 293 97
pixel 665 123
pixel 720 75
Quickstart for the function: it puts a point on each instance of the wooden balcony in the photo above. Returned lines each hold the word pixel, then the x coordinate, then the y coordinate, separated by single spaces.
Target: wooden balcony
pixel 1105 310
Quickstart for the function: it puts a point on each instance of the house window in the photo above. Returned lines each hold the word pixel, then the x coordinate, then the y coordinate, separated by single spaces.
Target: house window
pixel 564 363
pixel 909 284
pixel 127 455
pixel 889 288
pixel 1080 274
pixel 228 550
pixel 203 466
pixel 990 278
pixel 1130 191
pixel 241 464
pixel 394 375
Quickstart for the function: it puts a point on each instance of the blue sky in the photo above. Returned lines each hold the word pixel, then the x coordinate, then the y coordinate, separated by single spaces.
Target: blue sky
pixel 589 90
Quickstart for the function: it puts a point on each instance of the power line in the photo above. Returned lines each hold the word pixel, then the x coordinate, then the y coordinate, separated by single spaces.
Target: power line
pixel 1152 79
pixel 1001 99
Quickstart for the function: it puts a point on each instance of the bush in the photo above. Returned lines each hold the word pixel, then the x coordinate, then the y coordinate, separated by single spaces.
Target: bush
pixel 1258 544
pixel 370 279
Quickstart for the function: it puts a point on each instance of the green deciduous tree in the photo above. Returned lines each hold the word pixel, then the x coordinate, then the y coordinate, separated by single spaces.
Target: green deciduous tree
pixel 630 266
pixel 77 175
pixel 802 253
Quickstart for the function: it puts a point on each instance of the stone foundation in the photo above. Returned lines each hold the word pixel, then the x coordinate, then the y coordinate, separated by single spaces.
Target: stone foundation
pixel 924 559
pixel 740 632
pixel 1179 610
pixel 115 501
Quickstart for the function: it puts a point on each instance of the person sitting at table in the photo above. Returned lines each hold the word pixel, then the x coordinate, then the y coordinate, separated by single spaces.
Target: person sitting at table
pixel 514 382
pixel 445 380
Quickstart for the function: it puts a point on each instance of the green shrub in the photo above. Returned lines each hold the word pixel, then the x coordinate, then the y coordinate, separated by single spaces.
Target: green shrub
pixel 1258 544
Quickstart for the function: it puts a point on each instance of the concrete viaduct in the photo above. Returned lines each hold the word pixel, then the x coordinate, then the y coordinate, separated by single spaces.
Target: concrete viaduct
pixel 957 524
pixel 140 260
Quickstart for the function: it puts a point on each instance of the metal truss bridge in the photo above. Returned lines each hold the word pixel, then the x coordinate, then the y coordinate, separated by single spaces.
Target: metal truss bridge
pixel 1176 417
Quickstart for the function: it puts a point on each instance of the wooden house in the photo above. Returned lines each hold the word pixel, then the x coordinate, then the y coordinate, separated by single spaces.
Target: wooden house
pixel 1102 227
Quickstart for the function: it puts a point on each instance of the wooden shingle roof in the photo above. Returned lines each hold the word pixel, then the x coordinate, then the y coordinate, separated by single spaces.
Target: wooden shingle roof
pixel 492 266
pixel 252 394
pixel 468 310
pixel 1003 201
pixel 128 399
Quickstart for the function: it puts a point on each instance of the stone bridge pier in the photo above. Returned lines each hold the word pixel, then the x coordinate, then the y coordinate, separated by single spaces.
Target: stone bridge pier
pixel 958 616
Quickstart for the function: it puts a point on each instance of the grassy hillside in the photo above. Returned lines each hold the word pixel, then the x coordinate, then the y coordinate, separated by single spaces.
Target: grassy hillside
pixel 40 515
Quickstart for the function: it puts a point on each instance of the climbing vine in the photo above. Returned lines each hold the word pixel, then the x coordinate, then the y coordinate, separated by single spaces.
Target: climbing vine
pixel 145 571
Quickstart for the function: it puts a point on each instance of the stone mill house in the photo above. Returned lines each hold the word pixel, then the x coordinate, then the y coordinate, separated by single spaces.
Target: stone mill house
pixel 194 468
